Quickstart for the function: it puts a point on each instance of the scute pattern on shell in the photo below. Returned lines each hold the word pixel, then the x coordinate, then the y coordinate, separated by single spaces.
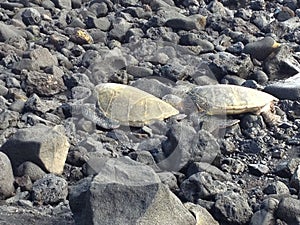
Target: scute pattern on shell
pixel 229 99
pixel 130 105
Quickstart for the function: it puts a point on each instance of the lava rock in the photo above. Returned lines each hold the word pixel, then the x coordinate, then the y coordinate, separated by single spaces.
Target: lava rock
pixel 42 145
pixel 50 189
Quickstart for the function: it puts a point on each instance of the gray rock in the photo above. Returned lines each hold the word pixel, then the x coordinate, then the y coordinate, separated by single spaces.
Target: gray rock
pixel 169 180
pixel 43 57
pixel 276 187
pixel 9 31
pixel 139 72
pixel 287 89
pixel 281 65
pixel 258 169
pixel 119 29
pixel 6 177
pixel 50 189
pixel 153 86
pixel 295 180
pixel 178 147
pixel 203 217
pixel 215 172
pixel 33 171
pixel 43 84
pixel 289 210
pixel 186 23
pixel 47 147
pixel 232 79
pixel 151 202
pixel 262 217
pixel 202 186
pixel 31 16
pixel 232 207
pixel 100 23
pixel 8 118
pixel 99 8
pixel 260 49
pixel 287 168
pixel 259 76
pixel 63 4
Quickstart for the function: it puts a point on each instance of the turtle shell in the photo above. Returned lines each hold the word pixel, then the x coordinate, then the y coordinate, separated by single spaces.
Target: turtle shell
pixel 130 105
pixel 229 99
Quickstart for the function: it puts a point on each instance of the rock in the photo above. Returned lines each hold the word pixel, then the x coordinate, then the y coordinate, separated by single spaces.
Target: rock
pixel 169 180
pixel 203 217
pixel 152 202
pixel 31 16
pixel 47 147
pixel 50 189
pixel 201 186
pixel 295 180
pixel 42 57
pixel 178 147
pixel 43 84
pixel 289 89
pixel 232 207
pixel 153 87
pixel 181 22
pixel 9 31
pixel 215 172
pixel 63 4
pixel 139 72
pixel 8 118
pixel 258 169
pixel 287 168
pixel 276 187
pixel 265 215
pixel 261 49
pixel 33 171
pixel 281 65
pixel 259 76
pixel 289 210
pixel 119 29
pixel 6 177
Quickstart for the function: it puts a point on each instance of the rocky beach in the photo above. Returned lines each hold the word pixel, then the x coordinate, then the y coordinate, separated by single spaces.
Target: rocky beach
pixel 149 112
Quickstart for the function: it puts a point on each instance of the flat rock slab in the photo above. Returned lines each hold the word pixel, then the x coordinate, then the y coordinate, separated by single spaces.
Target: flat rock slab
pixel 288 89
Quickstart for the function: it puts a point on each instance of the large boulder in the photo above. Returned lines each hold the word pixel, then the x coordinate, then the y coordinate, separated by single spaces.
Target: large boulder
pixel 45 146
pixel 126 192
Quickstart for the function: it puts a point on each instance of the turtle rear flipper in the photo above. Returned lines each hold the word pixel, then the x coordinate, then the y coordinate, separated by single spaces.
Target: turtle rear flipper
pixel 93 114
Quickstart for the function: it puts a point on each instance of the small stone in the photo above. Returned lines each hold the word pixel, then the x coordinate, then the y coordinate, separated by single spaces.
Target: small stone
pixel 169 180
pixel 24 183
pixel 186 23
pixel 295 180
pixel 6 177
pixel 259 76
pixel 50 189
pixel 81 36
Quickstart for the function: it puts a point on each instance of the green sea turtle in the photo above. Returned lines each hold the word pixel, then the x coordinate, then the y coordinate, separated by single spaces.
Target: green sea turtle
pixel 131 106
pixel 225 99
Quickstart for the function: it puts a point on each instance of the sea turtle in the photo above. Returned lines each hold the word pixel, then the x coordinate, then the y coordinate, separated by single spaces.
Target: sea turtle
pixel 131 106
pixel 222 99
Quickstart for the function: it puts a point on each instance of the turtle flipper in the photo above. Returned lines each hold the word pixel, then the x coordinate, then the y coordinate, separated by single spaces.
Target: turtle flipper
pixel 93 114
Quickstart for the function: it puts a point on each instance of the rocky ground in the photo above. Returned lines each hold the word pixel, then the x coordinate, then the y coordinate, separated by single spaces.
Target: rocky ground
pixel 62 164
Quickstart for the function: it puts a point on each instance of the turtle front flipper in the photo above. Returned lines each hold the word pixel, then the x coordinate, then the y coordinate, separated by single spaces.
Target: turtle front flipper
pixel 93 114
